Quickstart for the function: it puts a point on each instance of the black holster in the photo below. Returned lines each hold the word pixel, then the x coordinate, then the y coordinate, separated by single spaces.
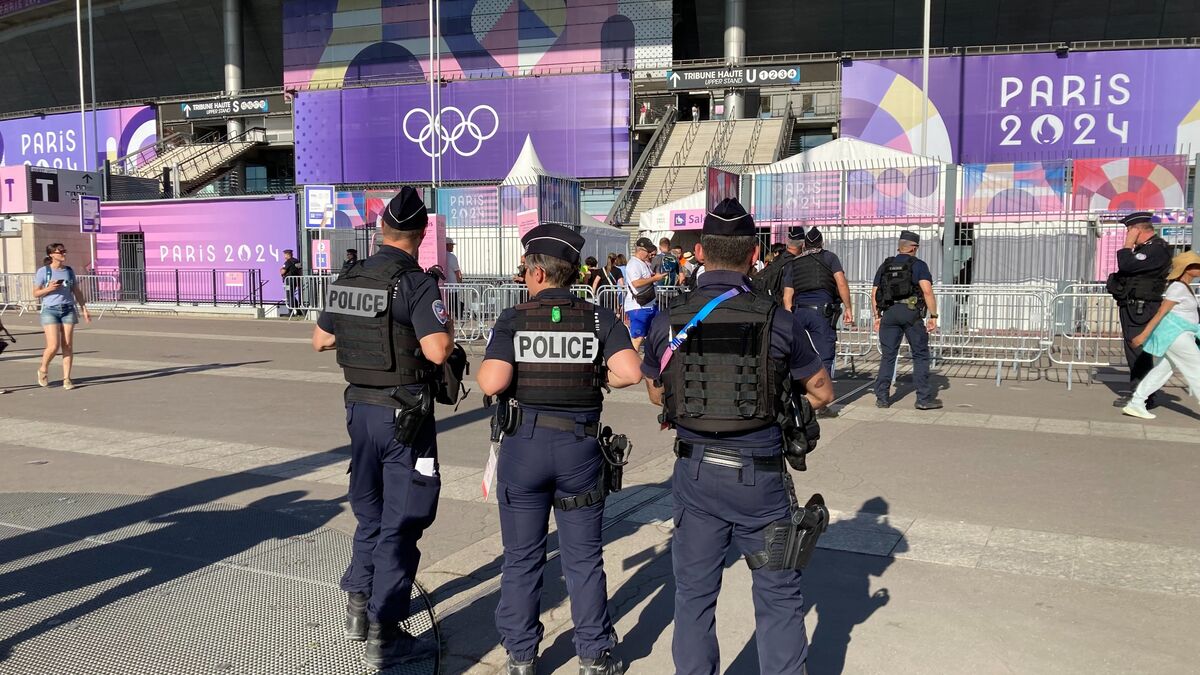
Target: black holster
pixel 614 455
pixel 411 413
pixel 506 419
pixel 789 544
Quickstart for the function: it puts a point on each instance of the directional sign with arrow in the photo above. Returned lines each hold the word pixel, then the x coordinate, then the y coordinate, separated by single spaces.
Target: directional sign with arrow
pixel 733 77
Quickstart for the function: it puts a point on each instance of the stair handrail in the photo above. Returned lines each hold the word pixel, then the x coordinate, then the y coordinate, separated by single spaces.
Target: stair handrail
pixel 685 148
pixel 622 208
pixel 251 135
pixel 146 156
pixel 748 155
pixel 785 133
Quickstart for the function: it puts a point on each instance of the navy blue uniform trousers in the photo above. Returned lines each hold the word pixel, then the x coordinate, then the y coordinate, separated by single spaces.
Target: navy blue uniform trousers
pixel 716 507
pixel 900 322
pixel 393 504
pixel 535 467
pixel 824 337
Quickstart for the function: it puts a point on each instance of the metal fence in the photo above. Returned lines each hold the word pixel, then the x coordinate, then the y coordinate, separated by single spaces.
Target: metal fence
pixel 242 288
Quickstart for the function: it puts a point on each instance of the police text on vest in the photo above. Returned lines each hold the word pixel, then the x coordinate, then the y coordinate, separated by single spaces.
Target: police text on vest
pixel 534 346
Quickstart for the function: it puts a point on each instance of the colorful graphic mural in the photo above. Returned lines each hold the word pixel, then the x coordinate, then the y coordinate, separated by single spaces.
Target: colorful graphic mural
pixel 56 140
pixel 894 194
pixel 578 125
pixel 798 197
pixel 1130 184
pixel 1014 188
pixel 331 42
pixel 1015 107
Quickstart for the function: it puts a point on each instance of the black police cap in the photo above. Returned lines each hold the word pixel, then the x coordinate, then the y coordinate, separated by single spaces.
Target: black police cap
pixel 406 211
pixel 729 219
pixel 555 241
pixel 795 233
pixel 814 237
pixel 1138 218
pixel 909 235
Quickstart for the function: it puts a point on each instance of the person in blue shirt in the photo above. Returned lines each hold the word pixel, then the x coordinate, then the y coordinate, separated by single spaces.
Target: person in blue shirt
pixel 62 303
pixel 720 389
pixel 901 296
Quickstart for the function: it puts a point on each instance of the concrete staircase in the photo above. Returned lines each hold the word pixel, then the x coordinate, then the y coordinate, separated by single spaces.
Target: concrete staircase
pixel 692 146
pixel 198 162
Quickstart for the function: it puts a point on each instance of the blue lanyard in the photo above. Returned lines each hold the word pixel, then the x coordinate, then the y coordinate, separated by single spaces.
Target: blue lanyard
pixel 682 335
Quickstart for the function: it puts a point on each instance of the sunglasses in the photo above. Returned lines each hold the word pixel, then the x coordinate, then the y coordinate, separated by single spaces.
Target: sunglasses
pixel 60 252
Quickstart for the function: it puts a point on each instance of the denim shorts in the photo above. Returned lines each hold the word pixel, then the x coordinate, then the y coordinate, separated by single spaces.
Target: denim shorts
pixel 54 315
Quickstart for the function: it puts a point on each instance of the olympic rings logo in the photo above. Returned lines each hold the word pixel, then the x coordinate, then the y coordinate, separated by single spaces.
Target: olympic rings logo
pixel 436 137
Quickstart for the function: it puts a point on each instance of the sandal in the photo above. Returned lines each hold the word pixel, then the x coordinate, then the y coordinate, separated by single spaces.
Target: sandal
pixel 43 378
pixel 67 384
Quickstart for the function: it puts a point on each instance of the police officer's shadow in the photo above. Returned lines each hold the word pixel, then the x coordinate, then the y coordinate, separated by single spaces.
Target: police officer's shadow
pixel 837 584
pixel 191 541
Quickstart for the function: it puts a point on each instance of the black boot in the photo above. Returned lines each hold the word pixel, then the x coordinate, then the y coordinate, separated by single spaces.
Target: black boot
pixel 390 645
pixel 605 664
pixel 356 617
pixel 516 667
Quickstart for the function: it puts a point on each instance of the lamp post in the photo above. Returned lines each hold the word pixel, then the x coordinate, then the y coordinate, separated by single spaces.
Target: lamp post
pixel 925 82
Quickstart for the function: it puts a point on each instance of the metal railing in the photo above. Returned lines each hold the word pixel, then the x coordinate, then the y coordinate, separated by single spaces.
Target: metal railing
pixel 685 148
pixel 216 155
pixel 216 287
pixel 622 208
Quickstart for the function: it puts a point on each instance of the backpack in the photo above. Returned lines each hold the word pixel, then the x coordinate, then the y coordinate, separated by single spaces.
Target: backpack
pixel 769 282
pixel 70 275
pixel 896 282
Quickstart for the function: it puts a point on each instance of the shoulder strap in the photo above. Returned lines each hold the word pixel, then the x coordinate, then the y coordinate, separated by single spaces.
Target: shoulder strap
pixel 682 335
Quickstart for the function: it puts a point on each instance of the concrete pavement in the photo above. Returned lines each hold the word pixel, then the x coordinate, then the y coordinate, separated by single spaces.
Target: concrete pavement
pixel 1022 529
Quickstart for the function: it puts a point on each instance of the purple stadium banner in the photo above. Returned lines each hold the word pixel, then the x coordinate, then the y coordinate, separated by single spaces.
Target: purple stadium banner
pixel 55 140
pixel 578 125
pixel 1020 106
pixel 13 6
pixel 205 234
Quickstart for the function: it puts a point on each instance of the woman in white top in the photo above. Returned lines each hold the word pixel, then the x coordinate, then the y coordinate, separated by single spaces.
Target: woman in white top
pixel 1171 336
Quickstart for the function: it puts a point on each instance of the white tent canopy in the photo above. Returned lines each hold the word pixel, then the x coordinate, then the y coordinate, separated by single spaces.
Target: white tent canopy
pixel 527 167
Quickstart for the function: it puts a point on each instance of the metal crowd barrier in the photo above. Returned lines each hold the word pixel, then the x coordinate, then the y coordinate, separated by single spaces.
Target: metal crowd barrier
pixel 464 302
pixel 304 294
pixel 16 292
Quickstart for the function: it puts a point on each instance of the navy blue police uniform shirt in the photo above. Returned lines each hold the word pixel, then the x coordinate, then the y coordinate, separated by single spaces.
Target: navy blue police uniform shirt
pixel 416 302
pixel 1151 256
pixel 614 336
pixel 790 340
pixel 819 296
pixel 920 270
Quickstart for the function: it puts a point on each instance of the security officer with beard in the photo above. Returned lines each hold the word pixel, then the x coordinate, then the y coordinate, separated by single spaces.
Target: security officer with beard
pixel 1138 286
pixel 818 285
pixel 548 360
pixel 723 360
pixel 386 319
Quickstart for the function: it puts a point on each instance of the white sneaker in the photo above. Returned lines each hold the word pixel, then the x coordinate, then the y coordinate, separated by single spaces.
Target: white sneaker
pixel 1138 410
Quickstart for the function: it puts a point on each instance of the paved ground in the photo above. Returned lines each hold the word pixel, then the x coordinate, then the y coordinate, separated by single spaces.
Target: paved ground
pixel 1022 529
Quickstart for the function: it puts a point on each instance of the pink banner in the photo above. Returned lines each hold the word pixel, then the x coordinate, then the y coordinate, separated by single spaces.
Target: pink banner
pixel 687 219
pixel 1130 184
pixel 894 195
pixel 433 246
pixel 14 189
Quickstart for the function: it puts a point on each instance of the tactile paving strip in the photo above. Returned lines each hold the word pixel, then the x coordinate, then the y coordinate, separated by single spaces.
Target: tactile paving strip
pixel 182 589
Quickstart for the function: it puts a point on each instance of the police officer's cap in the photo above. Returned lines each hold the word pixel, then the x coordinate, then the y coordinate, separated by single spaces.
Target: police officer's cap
pixel 814 237
pixel 910 236
pixel 729 219
pixel 1138 218
pixel 406 211
pixel 555 241
pixel 795 234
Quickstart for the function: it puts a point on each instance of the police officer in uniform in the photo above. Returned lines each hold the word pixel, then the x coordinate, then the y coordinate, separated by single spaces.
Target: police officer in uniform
pixel 818 285
pixel 723 389
pixel 901 296
pixel 386 319
pixel 776 276
pixel 548 360
pixel 1137 286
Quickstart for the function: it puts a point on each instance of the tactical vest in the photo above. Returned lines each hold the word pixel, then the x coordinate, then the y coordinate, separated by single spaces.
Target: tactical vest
pixel 896 284
pixel 810 273
pixel 559 358
pixel 1146 286
pixel 769 282
pixel 722 379
pixel 372 349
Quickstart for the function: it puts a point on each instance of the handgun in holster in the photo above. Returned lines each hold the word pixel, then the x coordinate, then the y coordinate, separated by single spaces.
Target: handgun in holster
pixel 506 419
pixel 414 409
pixel 615 449
pixel 789 544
